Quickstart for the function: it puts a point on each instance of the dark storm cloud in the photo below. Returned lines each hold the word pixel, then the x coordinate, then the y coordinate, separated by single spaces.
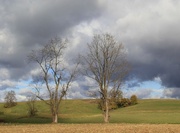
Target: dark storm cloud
pixel 27 24
pixel 43 19
pixel 158 59
pixel 151 34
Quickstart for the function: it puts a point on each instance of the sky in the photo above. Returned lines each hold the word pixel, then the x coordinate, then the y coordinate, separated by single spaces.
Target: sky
pixel 149 30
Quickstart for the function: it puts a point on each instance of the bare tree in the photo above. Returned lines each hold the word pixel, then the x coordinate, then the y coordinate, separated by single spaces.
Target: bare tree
pixel 55 75
pixel 107 65
pixel 10 99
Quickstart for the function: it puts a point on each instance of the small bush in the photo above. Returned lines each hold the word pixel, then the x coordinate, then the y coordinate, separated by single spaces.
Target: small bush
pixel 124 102
pixel 119 102
pixel 133 99
pixel 112 105
pixel 32 110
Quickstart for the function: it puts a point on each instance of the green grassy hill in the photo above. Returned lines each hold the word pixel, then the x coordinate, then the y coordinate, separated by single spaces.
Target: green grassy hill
pixel 149 111
pixel 86 111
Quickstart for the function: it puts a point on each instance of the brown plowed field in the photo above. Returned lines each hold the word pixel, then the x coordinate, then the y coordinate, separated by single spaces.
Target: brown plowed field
pixel 91 128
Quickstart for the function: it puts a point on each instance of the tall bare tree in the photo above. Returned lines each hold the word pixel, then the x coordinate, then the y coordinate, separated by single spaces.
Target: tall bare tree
pixel 107 65
pixel 55 74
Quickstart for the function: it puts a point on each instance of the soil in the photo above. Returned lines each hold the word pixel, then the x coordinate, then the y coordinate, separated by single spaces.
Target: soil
pixel 90 128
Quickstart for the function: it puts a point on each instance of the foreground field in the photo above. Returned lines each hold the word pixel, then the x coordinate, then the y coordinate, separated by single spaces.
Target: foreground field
pixel 91 128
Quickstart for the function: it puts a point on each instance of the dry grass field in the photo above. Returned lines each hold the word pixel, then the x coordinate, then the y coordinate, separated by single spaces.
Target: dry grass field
pixel 91 128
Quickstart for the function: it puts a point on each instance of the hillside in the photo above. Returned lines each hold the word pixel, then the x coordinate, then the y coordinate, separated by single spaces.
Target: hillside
pixel 86 111
pixel 158 111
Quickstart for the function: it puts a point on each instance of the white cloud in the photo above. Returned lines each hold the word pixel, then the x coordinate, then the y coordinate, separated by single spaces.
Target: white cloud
pixel 21 98
pixel 158 80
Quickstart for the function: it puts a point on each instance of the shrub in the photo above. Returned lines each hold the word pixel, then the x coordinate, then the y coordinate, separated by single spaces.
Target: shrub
pixel 133 99
pixel 112 105
pixel 124 102
pixel 114 97
pixel 32 110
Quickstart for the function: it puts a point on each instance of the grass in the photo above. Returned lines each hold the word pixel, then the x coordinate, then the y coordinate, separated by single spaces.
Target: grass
pixel 86 111
pixel 149 111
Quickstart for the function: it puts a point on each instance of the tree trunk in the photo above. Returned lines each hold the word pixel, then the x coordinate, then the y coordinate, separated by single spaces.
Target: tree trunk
pixel 55 117
pixel 106 112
